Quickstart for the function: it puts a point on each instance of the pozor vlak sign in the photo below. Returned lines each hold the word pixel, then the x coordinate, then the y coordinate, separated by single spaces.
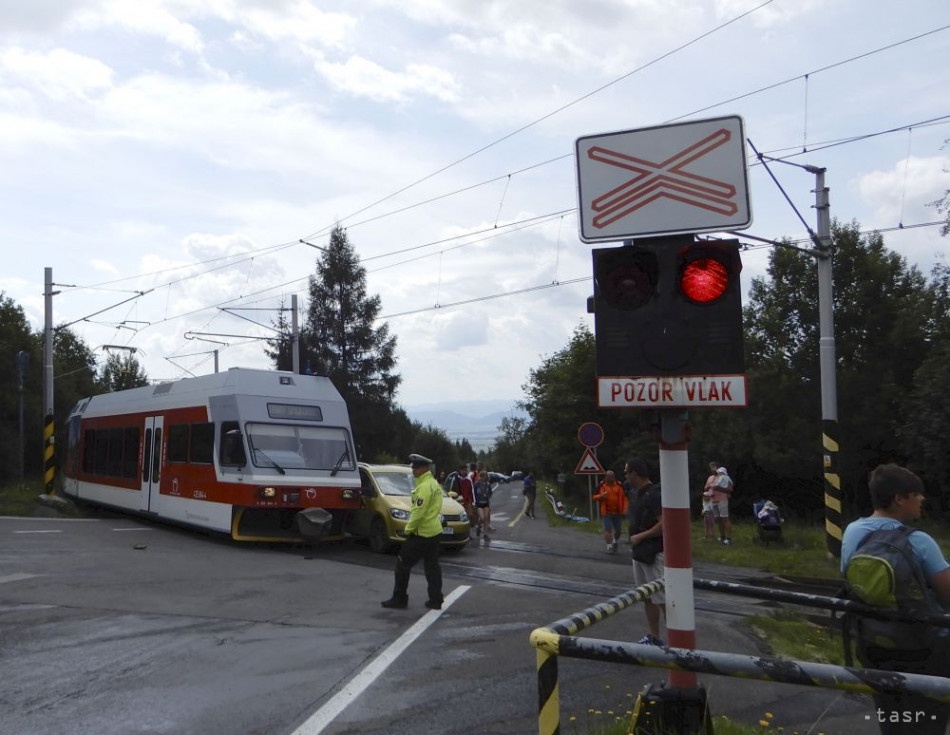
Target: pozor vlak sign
pixel 693 391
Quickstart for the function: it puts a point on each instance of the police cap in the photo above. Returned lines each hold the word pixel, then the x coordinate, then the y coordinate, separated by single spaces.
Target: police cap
pixel 417 460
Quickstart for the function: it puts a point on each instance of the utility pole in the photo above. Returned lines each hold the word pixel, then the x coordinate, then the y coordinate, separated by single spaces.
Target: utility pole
pixel 829 387
pixel 49 426
pixel 822 252
pixel 295 334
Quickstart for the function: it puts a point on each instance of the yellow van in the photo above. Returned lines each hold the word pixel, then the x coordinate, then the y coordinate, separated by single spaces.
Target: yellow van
pixel 386 491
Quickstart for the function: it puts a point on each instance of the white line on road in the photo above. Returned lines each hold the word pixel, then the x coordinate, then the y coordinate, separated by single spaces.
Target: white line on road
pixel 46 530
pixel 16 577
pixel 361 682
pixel 136 528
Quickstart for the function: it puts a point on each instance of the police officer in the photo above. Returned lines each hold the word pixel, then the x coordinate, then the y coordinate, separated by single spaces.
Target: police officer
pixel 423 533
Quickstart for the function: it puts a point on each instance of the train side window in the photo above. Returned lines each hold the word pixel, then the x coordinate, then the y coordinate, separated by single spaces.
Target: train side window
pixel 88 451
pixel 178 443
pixel 101 466
pixel 114 464
pixel 130 452
pixel 232 445
pixel 202 443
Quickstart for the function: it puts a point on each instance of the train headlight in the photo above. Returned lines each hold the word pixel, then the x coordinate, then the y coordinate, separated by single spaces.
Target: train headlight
pixel 268 493
pixel 348 493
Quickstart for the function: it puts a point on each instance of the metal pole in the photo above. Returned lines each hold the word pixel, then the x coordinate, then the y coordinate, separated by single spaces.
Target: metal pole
pixel 49 427
pixel 295 336
pixel 829 389
pixel 677 543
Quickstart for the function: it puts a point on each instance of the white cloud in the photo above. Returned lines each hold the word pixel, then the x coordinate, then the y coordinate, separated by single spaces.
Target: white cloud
pixel 178 145
pixel 360 77
pixel 148 17
pixel 901 194
pixel 59 74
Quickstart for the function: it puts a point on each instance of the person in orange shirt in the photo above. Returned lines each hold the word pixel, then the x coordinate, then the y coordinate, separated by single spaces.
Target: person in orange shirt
pixel 613 507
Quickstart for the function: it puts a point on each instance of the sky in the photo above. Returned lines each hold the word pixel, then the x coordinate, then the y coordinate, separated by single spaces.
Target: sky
pixel 166 157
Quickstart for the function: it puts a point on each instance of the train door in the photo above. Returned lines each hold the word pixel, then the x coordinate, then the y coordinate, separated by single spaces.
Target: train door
pixel 152 463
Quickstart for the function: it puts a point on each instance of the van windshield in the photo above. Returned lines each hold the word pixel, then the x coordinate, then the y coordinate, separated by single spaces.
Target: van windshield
pixel 394 483
pixel 302 447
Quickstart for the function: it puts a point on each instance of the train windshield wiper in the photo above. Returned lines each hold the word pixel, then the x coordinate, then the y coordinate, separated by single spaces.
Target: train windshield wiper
pixel 339 462
pixel 276 466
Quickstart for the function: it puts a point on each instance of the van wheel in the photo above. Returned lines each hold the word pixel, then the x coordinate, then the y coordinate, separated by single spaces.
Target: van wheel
pixel 378 539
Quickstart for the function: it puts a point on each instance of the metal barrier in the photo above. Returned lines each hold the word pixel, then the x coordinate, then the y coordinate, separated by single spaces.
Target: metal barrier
pixel 557 639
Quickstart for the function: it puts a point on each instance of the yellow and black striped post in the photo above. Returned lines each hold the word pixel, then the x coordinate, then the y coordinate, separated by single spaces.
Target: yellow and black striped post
pixel 833 522
pixel 49 454
pixel 549 717
pixel 547 641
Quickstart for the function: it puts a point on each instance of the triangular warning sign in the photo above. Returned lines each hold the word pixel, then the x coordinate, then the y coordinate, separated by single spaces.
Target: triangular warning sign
pixel 589 464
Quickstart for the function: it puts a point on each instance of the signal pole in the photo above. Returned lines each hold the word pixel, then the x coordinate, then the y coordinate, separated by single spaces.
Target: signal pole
pixel 829 386
pixel 49 426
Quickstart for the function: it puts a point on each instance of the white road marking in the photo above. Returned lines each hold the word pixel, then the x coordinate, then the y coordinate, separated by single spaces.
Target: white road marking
pixel 16 577
pixel 46 530
pixel 135 528
pixel 361 682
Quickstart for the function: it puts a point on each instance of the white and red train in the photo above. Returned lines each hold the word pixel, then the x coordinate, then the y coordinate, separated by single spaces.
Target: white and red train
pixel 256 454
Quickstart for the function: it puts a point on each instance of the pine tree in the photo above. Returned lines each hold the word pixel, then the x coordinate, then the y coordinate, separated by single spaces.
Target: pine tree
pixel 339 338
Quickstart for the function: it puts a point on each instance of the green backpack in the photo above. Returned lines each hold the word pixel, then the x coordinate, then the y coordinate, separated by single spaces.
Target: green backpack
pixel 884 573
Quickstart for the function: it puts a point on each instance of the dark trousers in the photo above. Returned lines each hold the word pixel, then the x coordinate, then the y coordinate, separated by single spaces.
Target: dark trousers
pixel 413 549
pixel 531 495
pixel 903 714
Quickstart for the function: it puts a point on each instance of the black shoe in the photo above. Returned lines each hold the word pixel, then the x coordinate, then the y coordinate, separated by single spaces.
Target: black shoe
pixel 395 604
pixel 434 604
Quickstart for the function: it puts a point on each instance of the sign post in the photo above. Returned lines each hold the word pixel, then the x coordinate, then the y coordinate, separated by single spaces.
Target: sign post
pixel 591 435
pixel 663 308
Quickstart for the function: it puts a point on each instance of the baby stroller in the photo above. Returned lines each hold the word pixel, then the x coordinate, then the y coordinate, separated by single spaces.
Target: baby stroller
pixel 560 510
pixel 768 519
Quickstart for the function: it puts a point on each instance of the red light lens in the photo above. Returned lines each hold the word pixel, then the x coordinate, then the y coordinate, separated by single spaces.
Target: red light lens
pixel 704 280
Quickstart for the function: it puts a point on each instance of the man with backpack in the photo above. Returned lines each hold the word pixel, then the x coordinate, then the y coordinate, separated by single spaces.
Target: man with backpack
pixel 878 552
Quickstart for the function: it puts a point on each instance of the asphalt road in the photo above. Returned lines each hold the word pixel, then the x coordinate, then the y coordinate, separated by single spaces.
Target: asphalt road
pixel 112 625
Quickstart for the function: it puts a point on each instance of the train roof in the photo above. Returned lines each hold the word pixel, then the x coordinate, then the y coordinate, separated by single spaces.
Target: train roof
pixel 236 381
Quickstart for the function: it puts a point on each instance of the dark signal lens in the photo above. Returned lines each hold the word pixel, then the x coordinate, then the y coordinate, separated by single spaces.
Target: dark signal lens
pixel 704 280
pixel 627 277
pixel 628 286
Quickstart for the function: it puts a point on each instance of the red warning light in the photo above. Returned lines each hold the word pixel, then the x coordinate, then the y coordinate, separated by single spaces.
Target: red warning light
pixel 704 280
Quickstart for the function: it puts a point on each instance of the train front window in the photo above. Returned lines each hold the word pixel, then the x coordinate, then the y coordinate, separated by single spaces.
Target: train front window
pixel 299 447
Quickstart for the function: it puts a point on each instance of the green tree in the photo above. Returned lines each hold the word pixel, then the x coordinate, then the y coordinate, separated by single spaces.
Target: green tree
pixel 880 342
pixel 942 205
pixel 560 396
pixel 926 422
pixel 121 372
pixel 339 338
pixel 16 337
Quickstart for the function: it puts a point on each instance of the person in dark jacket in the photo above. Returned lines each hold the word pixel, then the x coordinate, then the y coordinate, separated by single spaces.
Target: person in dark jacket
pixel 646 541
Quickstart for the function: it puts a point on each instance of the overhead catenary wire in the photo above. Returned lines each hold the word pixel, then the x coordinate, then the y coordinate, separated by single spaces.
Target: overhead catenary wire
pixel 232 260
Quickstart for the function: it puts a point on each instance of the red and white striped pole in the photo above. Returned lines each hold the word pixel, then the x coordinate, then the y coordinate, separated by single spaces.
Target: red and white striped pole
pixel 677 540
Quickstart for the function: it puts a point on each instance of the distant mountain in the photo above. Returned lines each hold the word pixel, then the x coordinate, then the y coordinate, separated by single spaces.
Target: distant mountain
pixel 476 421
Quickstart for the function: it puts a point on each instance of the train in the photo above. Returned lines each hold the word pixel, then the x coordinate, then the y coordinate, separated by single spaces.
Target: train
pixel 259 455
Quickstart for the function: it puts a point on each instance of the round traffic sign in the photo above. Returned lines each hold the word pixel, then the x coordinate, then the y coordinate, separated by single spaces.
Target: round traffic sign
pixel 590 434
